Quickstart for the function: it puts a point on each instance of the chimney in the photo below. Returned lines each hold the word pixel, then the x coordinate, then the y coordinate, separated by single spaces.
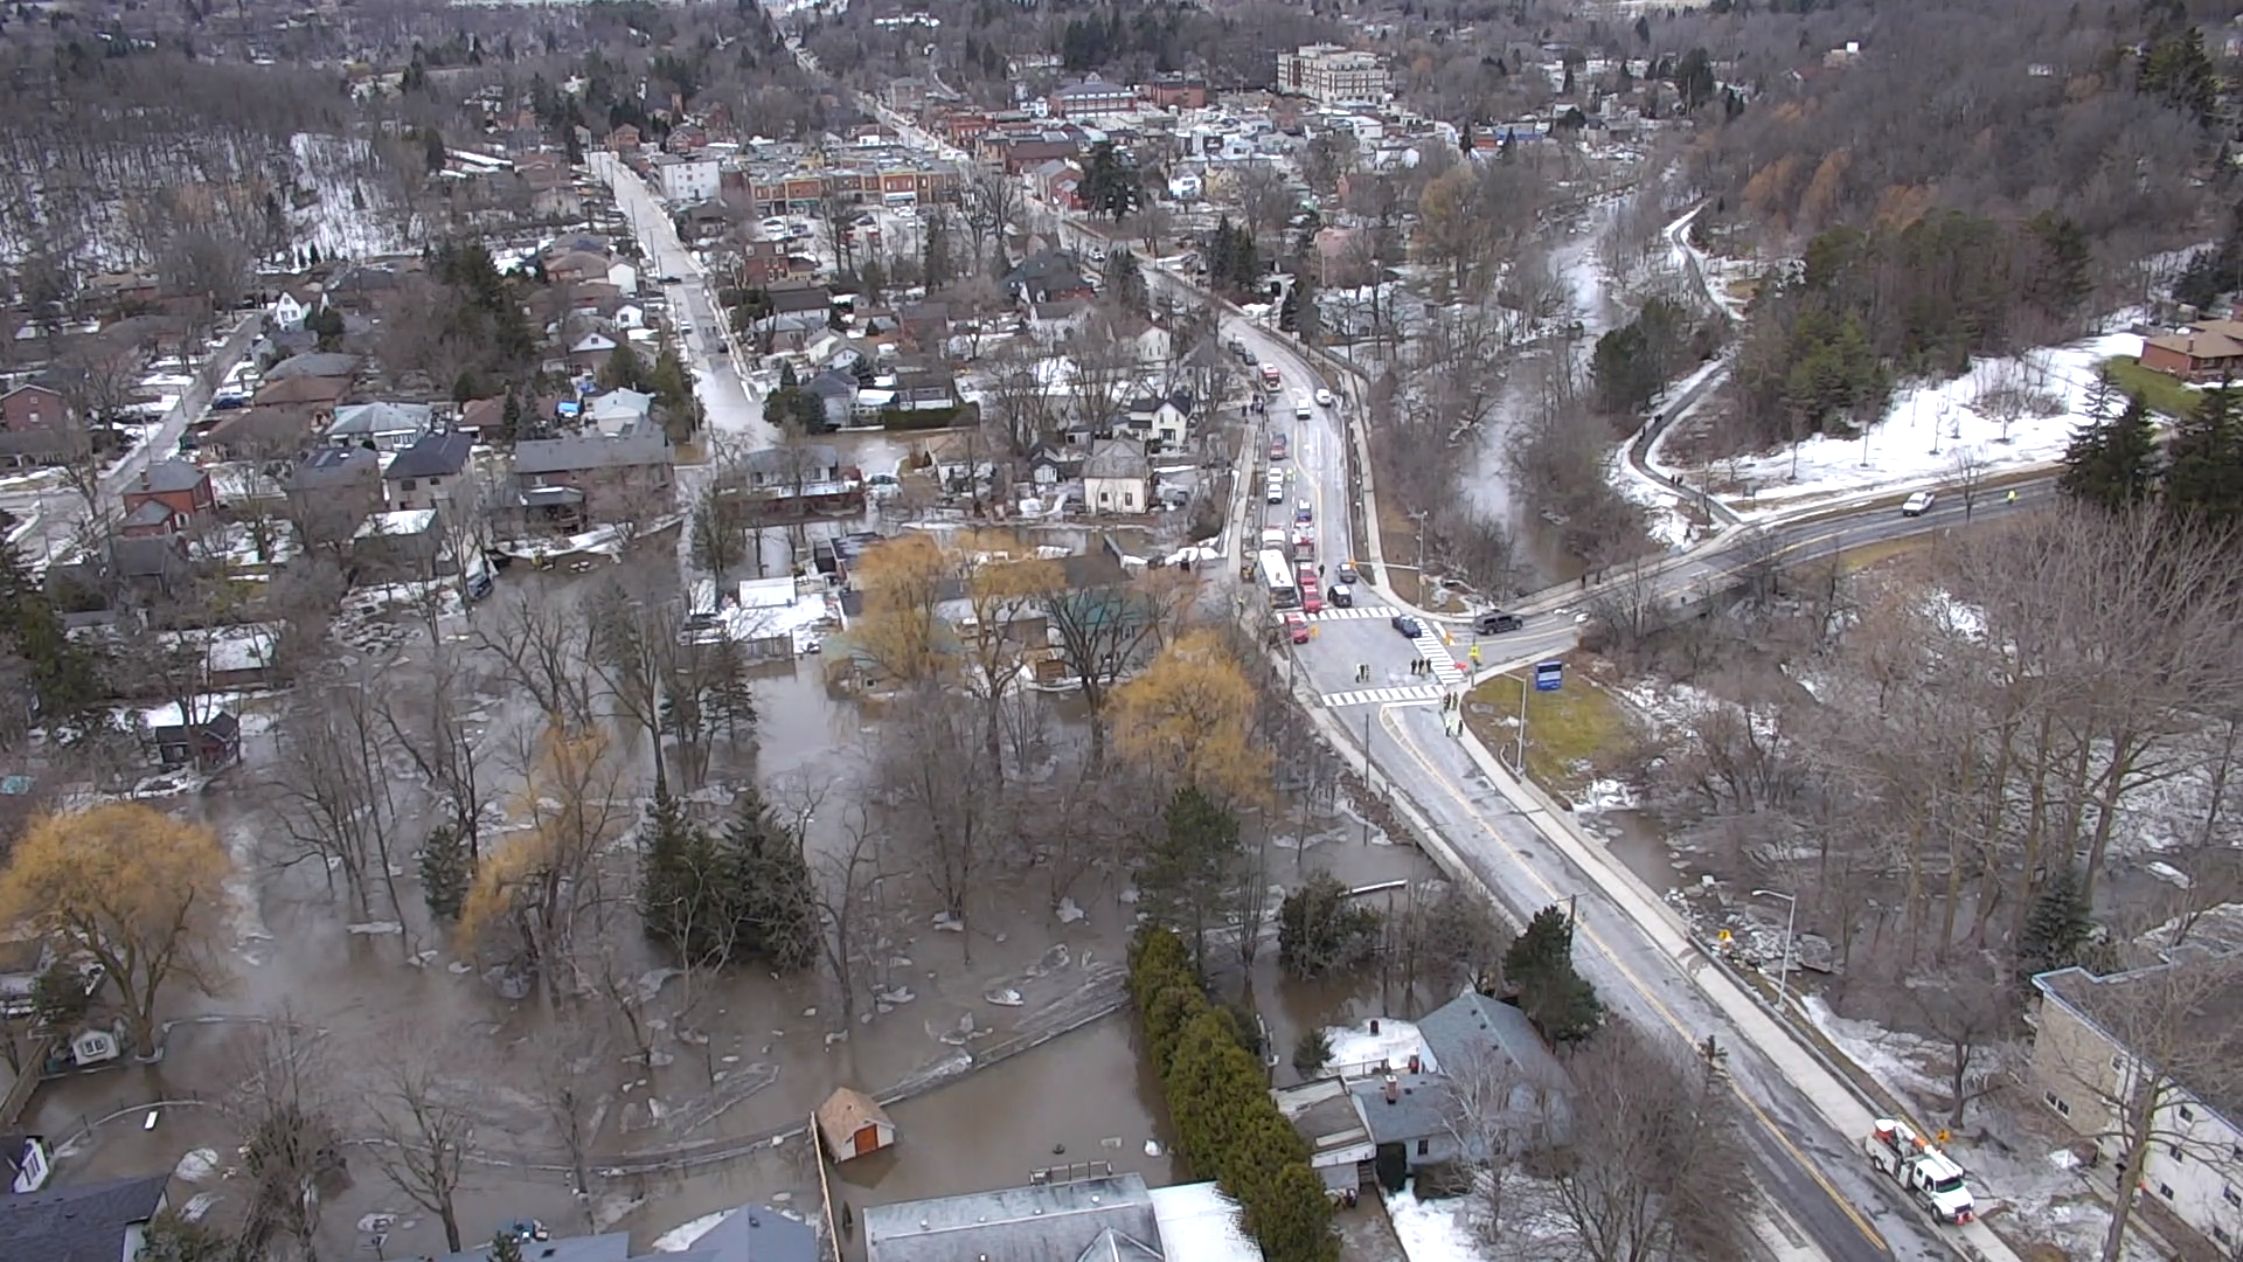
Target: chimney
pixel 1393 1089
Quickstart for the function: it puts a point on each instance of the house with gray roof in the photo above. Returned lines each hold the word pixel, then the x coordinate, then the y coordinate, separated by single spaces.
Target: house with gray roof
pixel 330 491
pixel 1117 478
pixel 594 478
pixel 382 426
pixel 425 474
pixel 92 1222
pixel 751 1233
pixel 313 364
pixel 1080 1221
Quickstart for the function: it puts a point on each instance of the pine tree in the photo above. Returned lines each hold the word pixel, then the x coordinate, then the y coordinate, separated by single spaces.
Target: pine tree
pixel 2205 478
pixel 1125 281
pixel 772 906
pixel 2057 928
pixel 680 899
pixel 1189 866
pixel 1538 966
pixel 506 1247
pixel 624 370
pixel 447 869
pixel 510 418
pixel 65 674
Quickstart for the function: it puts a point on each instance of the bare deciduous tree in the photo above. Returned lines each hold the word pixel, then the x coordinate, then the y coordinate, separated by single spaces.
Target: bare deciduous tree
pixel 425 1130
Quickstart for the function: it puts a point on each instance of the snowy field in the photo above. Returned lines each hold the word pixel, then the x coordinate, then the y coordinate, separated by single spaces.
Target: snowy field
pixel 1929 433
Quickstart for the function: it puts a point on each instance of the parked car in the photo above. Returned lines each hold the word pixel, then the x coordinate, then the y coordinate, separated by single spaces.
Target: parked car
pixel 1342 596
pixel 1407 625
pixel 1918 504
pixel 1494 622
pixel 1296 626
pixel 668 279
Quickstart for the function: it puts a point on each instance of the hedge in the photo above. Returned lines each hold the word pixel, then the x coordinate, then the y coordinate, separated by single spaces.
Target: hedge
pixel 1227 1126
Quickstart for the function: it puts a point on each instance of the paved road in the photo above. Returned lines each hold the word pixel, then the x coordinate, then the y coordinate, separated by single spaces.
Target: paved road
pixel 53 517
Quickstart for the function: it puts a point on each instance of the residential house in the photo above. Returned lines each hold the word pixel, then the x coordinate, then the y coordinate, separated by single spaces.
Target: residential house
pixel 88 1222
pixel 854 1125
pixel 1051 464
pixel 426 474
pixel 619 410
pixel 577 267
pixel 168 498
pixel 320 395
pixel 363 289
pixel 624 139
pixel 801 478
pixel 482 416
pixel 797 309
pixel 589 353
pixel 264 432
pixel 295 304
pixel 402 545
pixel 1052 323
pixel 33 407
pixel 381 426
pixel 1166 421
pixel 234 657
pixel 2082 1061
pixel 330 491
pixel 1117 478
pixel 1059 181
pixel 207 739
pixel 837 392
pixel 1047 276
pixel 1174 92
pixel 584 478
pixel 751 1233
pixel 1019 151
pixel 1092 97
pixel 2207 351
pixel 314 364
pixel 925 323
pixel 624 277
pixel 151 564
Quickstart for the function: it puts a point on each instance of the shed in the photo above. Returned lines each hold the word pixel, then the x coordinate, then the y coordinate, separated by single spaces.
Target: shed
pixel 854 1124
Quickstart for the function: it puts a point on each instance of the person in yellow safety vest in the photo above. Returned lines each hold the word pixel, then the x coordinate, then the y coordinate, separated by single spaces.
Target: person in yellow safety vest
pixel 1475 655
pixel 2012 497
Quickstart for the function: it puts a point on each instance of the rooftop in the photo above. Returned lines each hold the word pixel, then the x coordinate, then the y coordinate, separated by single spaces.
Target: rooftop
pixel 1051 1222
pixel 85 1223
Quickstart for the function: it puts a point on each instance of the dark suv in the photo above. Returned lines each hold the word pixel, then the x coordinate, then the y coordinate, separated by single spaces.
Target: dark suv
pixel 1496 623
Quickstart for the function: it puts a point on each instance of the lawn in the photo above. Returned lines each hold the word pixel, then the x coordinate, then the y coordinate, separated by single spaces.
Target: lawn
pixel 1567 731
pixel 2164 395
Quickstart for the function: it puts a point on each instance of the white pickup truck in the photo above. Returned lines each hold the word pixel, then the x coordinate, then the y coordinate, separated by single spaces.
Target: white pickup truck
pixel 1928 1174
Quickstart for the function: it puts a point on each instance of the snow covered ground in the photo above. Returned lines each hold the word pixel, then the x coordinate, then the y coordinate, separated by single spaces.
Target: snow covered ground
pixel 1930 431
pixel 1200 1224
pixel 1357 1048
pixel 1432 1231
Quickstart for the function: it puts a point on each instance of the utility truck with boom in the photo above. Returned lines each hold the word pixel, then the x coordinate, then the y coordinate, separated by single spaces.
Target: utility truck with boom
pixel 1928 1174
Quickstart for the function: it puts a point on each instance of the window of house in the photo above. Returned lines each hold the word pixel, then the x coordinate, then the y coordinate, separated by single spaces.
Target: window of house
pixel 405 485
pixel 2219 1233
pixel 1129 499
pixel 2173 1150
pixel 2056 1102
pixel 2165 1190
pixel 2117 1063
pixel 2231 1196
pixel 2188 1114
pixel 1424 1146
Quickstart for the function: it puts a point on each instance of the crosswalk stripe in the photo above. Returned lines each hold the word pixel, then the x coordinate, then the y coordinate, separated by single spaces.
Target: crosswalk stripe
pixel 1379 696
pixel 1340 615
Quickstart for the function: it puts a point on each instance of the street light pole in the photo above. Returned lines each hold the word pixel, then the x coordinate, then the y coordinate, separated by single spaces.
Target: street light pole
pixel 1791 919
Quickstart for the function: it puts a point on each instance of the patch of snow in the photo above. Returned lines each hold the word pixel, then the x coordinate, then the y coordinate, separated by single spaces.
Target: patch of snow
pixel 1433 1231
pixel 680 1238
pixel 1604 795
pixel 1894 1059
pixel 196 1166
pixel 1927 425
pixel 1357 1050
pixel 1198 1223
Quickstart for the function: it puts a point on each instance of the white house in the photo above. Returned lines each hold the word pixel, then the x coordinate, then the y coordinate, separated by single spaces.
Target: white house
pixel 295 304
pixel 624 277
pixel 1165 420
pixel 1117 478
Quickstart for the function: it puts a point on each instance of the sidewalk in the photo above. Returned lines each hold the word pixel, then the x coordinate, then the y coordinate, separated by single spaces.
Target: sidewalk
pixel 1828 1093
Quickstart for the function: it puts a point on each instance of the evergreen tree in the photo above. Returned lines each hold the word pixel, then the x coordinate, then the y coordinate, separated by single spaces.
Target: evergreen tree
pixel 1311 1052
pixel 1125 282
pixel 936 267
pixel 680 900
pixel 2112 462
pixel 773 908
pixel 1538 966
pixel 510 418
pixel 1190 867
pixel 447 869
pixel 1221 249
pixel 1320 929
pixel 65 674
pixel 506 1247
pixel 2204 480
pixel 624 370
pixel 2057 929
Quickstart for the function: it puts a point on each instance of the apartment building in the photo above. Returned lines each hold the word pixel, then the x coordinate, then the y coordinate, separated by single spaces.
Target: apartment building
pixel 1331 75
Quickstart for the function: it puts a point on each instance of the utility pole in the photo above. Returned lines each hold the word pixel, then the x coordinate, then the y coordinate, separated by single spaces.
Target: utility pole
pixel 1791 920
pixel 1526 685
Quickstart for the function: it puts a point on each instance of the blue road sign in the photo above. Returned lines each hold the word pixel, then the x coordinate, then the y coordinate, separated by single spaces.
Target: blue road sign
pixel 1549 676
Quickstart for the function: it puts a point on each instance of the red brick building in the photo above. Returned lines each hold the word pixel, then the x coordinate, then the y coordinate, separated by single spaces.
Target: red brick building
pixel 2210 350
pixel 32 407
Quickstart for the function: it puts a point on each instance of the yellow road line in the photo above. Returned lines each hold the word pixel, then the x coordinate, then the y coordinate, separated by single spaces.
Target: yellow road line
pixel 1813 1172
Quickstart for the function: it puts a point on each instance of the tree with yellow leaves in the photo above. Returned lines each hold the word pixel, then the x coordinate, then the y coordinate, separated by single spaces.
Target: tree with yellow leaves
pixel 903 581
pixel 1189 721
pixel 541 878
pixel 142 892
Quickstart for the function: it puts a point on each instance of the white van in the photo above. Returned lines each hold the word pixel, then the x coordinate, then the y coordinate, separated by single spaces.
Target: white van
pixel 1300 410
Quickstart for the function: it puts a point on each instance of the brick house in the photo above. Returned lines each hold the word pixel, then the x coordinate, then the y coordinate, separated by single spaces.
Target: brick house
pixel 1174 92
pixel 33 407
pixel 2210 350
pixel 167 498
